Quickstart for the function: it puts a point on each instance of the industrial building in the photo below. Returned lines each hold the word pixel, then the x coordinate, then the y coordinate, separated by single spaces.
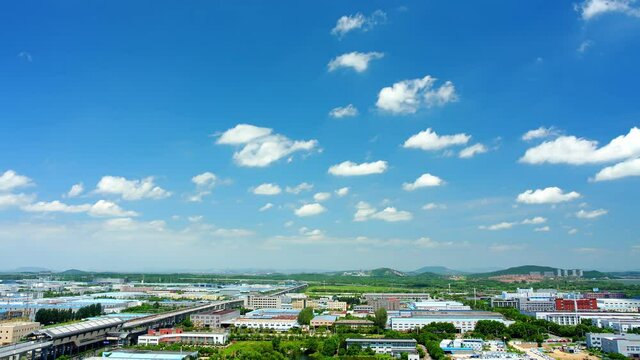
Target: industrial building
pixel 274 319
pixel 323 320
pixel 438 305
pixel 621 305
pixel 461 346
pixel 576 304
pixel 178 336
pixel 625 344
pixel 574 318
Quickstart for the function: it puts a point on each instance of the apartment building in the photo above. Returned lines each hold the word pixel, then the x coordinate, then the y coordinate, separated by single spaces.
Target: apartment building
pixel 12 332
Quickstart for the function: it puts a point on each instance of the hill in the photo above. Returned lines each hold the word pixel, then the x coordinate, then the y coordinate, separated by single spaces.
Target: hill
pixel 73 272
pixel 518 270
pixel 378 273
pixel 439 270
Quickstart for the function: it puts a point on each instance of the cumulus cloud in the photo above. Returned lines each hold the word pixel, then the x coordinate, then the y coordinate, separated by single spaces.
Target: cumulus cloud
pixel 425 180
pixel 583 214
pixel 299 188
pixel 348 23
pixel 579 151
pixel 433 206
pixel 620 170
pixel 572 231
pixel 365 212
pixel 343 111
pixel 499 226
pixel 102 208
pixel 350 168
pixel 407 96
pixel 204 183
pixel 355 60
pixel 260 147
pixel 310 210
pixel 550 195
pixel 267 189
pixel 541 132
pixel 342 192
pixel 266 207
pixel 75 190
pixel 11 180
pixel 311 233
pixel 472 151
pixel 131 189
pixel 15 200
pixel 590 9
pixel 542 229
pixel 322 196
pixel 205 180
pixel 534 221
pixel 430 140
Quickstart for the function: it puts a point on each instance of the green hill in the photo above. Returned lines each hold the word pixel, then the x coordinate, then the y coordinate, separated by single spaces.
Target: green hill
pixel 518 270
pixel 438 270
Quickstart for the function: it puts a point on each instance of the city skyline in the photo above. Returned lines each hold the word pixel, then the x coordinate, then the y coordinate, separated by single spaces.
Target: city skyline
pixel 335 136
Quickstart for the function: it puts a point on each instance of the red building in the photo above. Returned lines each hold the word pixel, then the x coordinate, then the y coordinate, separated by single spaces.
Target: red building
pixel 571 304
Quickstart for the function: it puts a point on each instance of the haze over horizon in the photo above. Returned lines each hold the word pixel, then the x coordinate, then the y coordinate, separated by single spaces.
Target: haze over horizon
pixel 333 135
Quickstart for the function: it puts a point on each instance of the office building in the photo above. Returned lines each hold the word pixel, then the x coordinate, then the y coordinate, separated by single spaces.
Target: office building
pixel 620 305
pixel 438 305
pixel 399 296
pixel 323 320
pixel 170 336
pixel 574 318
pixel 263 302
pixel 384 303
pixel 463 321
pixel 603 295
pixel 625 344
pixel 617 325
pixel 11 332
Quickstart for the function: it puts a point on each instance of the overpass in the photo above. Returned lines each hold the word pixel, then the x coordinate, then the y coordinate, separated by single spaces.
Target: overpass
pixel 50 343
pixel 290 289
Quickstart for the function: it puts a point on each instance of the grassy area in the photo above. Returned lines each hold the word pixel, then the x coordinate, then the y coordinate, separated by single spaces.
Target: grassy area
pixel 357 289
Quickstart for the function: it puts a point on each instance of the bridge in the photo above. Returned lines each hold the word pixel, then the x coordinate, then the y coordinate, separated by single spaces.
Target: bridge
pixel 50 343
pixel 290 289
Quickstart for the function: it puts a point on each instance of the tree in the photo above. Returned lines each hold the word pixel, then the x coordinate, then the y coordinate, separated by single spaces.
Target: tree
pixel 330 346
pixel 380 318
pixel 305 316
pixel 491 329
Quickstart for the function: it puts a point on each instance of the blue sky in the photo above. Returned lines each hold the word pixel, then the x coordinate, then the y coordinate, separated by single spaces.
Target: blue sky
pixel 470 135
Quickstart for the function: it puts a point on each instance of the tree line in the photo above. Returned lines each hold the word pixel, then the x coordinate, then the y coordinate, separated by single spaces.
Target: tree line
pixel 57 316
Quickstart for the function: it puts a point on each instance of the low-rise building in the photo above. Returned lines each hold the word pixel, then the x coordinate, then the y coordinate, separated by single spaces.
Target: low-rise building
pixel 576 304
pixel 464 321
pixel 11 332
pixel 323 320
pixel 393 347
pixel 354 324
pixel 400 296
pixel 214 319
pixel 435 305
pixel 263 302
pixel 617 325
pixel 625 344
pixel 574 318
pixel 177 336
pixel 461 346
pixel 274 319
pixel 620 305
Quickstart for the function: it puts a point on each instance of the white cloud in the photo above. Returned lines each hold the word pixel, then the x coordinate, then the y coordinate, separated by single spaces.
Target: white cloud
pixel 131 189
pixel 356 60
pixel 11 180
pixel 15 200
pixel 499 226
pixel 590 9
pixel 550 195
pixel 310 210
pixel 205 180
pixel 579 151
pixel 195 219
pixel 25 55
pixel 365 212
pixel 260 146
pixel 534 221
pixel 583 214
pixel 541 132
pixel 425 180
pixel 204 183
pixel 584 46
pixel 75 190
pixel 624 169
pixel 314 234
pixel 299 188
pixel 102 208
pixel 428 243
pixel 266 207
pixel 267 189
pixel 350 23
pixel 572 231
pixel 472 150
pixel 542 229
pixel 232 233
pixel 430 140
pixel 344 111
pixel 349 168
pixel 433 206
pixel 322 196
pixel 506 247
pixel 342 192
pixel 407 96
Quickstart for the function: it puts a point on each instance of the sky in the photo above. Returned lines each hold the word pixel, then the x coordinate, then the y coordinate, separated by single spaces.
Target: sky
pixel 319 135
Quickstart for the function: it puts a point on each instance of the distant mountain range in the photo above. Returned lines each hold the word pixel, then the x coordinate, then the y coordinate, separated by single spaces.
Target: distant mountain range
pixel 384 272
